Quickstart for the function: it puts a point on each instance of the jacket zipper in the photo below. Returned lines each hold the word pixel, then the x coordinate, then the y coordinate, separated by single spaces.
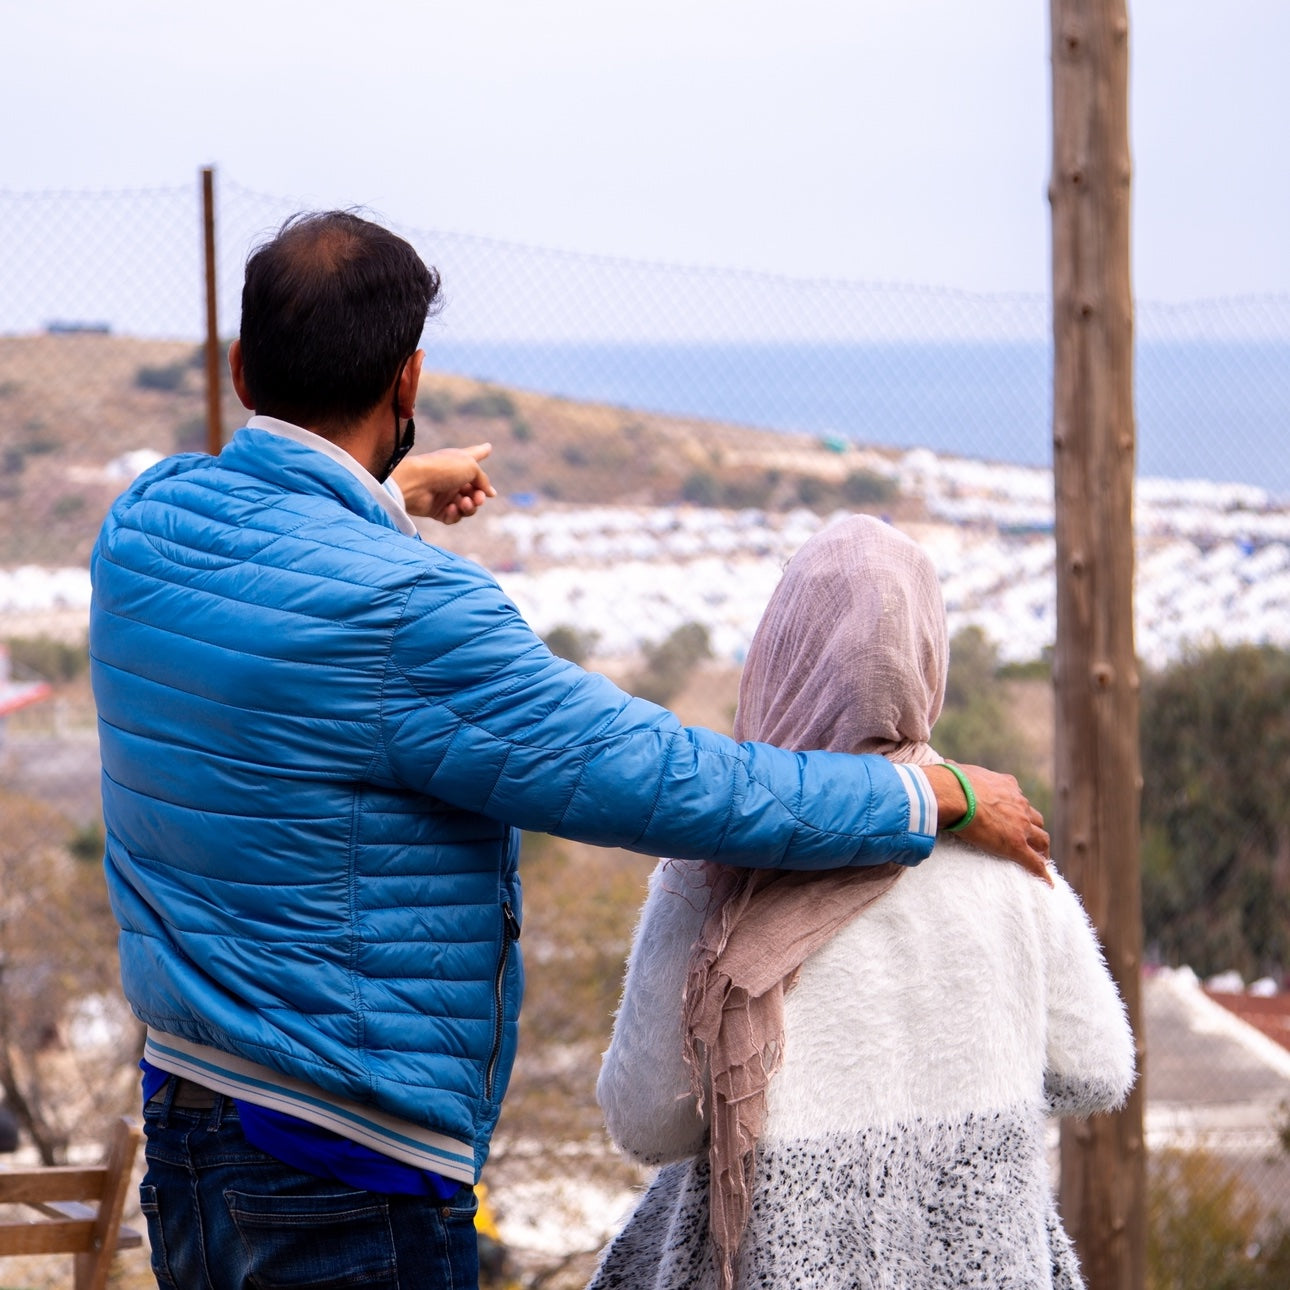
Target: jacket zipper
pixel 510 932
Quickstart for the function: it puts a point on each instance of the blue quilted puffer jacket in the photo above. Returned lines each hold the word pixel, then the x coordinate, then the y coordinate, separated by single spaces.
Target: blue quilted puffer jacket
pixel 319 736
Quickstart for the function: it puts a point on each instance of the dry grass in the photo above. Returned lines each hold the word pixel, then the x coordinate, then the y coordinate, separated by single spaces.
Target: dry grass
pixel 69 405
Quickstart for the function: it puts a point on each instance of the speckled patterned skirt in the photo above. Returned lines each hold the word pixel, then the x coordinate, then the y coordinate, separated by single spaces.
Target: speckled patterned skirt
pixel 925 1208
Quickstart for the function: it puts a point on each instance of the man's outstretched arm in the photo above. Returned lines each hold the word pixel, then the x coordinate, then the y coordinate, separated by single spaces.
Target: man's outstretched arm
pixel 446 485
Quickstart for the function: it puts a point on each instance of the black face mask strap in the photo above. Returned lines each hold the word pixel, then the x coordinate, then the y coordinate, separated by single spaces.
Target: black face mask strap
pixel 402 444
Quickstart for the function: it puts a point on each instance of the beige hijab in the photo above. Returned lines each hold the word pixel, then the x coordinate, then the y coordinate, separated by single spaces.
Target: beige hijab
pixel 849 656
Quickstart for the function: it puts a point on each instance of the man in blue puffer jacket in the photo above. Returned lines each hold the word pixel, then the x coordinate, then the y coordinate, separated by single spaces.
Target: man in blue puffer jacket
pixel 320 736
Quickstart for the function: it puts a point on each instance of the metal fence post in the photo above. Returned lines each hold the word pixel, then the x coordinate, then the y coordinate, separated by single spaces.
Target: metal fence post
pixel 214 355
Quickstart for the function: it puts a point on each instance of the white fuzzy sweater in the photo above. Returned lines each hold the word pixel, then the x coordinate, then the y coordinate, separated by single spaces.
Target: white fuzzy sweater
pixel 903 1145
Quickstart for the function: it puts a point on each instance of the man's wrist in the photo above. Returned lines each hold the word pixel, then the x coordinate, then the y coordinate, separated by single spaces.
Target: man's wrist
pixel 951 799
pixel 966 785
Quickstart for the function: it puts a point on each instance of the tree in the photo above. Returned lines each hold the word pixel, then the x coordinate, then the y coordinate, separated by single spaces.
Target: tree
pixel 669 662
pixel 1216 817
pixel 975 725
pixel 573 643
pixel 47 658
pixel 1206 1230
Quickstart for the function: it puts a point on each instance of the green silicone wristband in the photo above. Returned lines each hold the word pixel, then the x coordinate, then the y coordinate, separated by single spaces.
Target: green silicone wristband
pixel 967 793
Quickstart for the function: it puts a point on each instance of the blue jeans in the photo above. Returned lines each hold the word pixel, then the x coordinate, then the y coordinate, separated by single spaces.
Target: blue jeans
pixel 223 1215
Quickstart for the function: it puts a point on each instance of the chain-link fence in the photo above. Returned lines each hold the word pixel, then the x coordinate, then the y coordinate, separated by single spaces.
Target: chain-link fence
pixel 664 437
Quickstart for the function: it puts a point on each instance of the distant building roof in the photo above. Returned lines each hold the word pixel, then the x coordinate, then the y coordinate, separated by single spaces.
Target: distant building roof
pixel 1269 1014
pixel 18 694
pixel 21 694
pixel 63 327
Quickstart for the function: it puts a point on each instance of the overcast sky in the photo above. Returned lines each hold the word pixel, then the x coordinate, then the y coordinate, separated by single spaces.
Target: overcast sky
pixel 883 140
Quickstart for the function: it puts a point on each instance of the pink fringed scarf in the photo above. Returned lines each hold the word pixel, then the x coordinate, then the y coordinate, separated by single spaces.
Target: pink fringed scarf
pixel 850 655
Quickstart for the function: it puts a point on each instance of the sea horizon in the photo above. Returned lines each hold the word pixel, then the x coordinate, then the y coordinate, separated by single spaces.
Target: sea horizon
pixel 1204 409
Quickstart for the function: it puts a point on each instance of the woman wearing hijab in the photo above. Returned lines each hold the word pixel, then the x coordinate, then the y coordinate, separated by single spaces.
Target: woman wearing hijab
pixel 845 1075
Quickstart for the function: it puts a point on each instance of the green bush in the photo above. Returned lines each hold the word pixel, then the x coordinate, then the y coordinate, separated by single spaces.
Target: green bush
pixel 87 843
pixel 47 658
pixel 1207 1231
pixel 746 491
pixel 166 377
pixel 435 405
pixel 701 489
pixel 1037 669
pixel 975 725
pixel 1215 813
pixel 33 442
pixel 738 491
pixel 811 490
pixel 670 662
pixel 572 643
pixel 488 403
pixel 864 488
pixel 37 442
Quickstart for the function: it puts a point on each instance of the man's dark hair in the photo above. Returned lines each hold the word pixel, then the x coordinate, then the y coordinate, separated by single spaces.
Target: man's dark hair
pixel 331 308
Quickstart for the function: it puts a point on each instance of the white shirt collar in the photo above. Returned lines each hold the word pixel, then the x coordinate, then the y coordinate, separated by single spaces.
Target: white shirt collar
pixel 387 495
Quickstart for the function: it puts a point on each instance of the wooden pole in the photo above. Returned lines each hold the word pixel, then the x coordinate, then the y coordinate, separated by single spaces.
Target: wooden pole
pixel 1098 772
pixel 214 355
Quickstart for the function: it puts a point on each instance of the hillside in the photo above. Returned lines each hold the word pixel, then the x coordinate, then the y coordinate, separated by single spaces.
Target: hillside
pixel 71 405
pixel 587 531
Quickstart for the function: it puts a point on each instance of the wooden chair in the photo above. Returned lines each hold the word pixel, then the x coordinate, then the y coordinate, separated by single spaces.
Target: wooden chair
pixel 92 1232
